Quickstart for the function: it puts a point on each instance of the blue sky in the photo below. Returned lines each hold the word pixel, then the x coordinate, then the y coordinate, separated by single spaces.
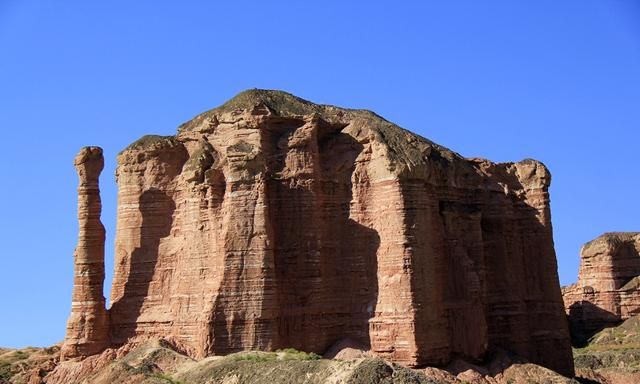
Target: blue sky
pixel 558 81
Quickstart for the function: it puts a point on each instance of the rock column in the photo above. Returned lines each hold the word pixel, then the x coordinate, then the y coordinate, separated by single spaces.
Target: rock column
pixel 87 327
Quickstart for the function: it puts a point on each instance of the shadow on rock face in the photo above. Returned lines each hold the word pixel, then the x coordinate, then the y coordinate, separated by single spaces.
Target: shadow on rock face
pixel 324 277
pixel 156 208
pixel 586 319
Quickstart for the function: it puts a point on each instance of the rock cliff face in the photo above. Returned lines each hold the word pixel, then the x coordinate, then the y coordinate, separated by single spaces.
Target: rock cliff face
pixel 272 222
pixel 608 287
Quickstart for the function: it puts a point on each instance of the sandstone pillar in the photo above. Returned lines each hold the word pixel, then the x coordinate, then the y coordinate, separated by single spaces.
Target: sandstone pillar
pixel 87 327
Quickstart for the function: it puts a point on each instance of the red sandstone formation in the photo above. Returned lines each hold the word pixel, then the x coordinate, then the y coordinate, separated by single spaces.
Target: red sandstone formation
pixel 272 222
pixel 608 287
pixel 87 328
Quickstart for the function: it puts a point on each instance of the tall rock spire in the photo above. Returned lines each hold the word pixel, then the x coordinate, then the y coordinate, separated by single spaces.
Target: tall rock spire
pixel 87 328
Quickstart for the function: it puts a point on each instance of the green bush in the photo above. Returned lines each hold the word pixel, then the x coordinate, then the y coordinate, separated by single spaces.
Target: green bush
pixel 280 354
pixel 294 354
pixel 5 371
pixel 256 356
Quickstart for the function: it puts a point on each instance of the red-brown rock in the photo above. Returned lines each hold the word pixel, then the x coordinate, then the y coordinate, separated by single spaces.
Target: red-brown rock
pixel 88 328
pixel 608 287
pixel 271 222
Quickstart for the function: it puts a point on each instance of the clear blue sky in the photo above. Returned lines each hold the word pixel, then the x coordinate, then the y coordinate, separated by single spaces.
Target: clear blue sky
pixel 558 81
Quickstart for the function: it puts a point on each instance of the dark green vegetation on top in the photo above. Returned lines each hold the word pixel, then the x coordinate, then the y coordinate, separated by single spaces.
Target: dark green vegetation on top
pixel 405 148
pixel 281 103
pixel 147 140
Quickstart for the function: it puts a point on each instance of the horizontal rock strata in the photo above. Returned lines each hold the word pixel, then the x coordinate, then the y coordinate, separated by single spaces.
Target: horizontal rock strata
pixel 88 328
pixel 272 222
pixel 608 287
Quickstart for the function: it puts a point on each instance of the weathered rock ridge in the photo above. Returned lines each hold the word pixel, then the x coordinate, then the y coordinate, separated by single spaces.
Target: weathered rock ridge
pixel 272 222
pixel 608 287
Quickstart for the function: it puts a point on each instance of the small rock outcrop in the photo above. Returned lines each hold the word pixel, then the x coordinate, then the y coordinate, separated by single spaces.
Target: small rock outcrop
pixel 608 287
pixel 88 327
pixel 271 222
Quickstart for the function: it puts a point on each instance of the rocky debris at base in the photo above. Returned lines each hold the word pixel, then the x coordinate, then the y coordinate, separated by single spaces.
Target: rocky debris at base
pixel 612 356
pixel 28 365
pixel 157 362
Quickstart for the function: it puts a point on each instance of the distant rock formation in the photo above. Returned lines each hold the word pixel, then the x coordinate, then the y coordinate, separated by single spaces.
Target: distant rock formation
pixel 608 287
pixel 272 222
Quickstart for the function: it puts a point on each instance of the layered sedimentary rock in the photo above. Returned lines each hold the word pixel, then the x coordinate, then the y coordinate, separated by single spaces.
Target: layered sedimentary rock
pixel 608 287
pixel 87 328
pixel 273 222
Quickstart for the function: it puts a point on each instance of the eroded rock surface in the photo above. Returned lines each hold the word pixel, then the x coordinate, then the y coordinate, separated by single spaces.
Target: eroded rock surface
pixel 272 222
pixel 88 328
pixel 608 287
